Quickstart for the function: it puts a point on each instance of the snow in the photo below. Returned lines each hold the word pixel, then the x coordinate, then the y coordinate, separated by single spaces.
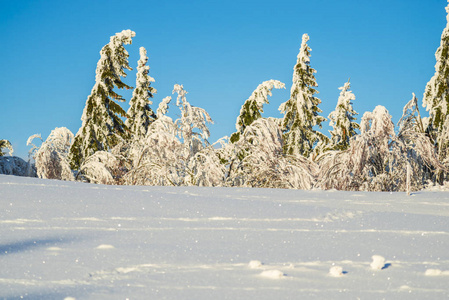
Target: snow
pixel 72 240
pixel 336 271
pixel 378 262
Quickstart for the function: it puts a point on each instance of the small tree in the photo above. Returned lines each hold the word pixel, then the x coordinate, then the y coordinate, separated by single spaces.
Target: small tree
pixel 342 120
pixel 140 115
pixel 102 127
pixel 252 109
pixel 301 110
pixel 5 144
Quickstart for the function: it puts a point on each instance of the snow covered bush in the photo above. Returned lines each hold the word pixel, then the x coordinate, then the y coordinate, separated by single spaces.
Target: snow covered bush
pixel 258 160
pixel 366 164
pixel 100 167
pixel 51 158
pixel 415 150
pixel 176 152
pixel 378 159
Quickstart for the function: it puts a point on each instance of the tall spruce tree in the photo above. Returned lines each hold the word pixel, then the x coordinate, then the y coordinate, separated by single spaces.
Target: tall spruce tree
pixel 342 120
pixel 140 115
pixel 301 110
pixel 436 96
pixel 252 109
pixel 102 127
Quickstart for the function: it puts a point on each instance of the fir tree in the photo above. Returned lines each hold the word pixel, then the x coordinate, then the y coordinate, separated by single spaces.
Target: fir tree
pixel 102 127
pixel 140 115
pixel 342 120
pixel 436 95
pixel 301 110
pixel 5 144
pixel 252 109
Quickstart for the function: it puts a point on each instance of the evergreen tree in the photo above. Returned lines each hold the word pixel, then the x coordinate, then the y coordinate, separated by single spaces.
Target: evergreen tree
pixel 342 119
pixel 252 109
pixel 5 144
pixel 102 127
pixel 140 115
pixel 436 95
pixel 301 110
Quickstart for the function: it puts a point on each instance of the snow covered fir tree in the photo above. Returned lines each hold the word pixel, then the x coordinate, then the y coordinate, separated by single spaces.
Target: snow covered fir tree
pixel 342 120
pixel 143 147
pixel 252 109
pixel 140 115
pixel 102 128
pixel 301 112
pixel 436 98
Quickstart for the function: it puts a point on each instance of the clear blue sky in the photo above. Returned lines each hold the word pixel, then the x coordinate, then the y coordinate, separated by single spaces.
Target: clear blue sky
pixel 219 50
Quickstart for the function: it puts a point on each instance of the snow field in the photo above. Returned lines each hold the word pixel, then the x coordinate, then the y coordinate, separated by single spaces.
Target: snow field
pixel 68 239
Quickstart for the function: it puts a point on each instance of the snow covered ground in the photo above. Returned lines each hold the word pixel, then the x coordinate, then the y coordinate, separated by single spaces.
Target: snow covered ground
pixel 68 240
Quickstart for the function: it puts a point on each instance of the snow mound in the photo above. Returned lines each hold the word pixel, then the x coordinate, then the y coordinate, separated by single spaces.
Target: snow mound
pixel 254 264
pixel 433 272
pixel 272 274
pixel 336 271
pixel 378 262
pixel 436 272
pixel 105 247
pixel 54 249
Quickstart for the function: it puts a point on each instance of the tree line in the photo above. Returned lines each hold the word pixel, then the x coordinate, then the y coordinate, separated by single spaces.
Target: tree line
pixel 146 147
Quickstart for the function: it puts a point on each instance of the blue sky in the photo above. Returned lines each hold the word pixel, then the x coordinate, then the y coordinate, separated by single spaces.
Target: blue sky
pixel 219 50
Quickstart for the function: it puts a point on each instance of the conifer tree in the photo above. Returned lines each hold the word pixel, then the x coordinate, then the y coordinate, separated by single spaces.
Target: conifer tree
pixel 252 109
pixel 342 120
pixel 301 110
pixel 102 127
pixel 5 144
pixel 140 115
pixel 436 95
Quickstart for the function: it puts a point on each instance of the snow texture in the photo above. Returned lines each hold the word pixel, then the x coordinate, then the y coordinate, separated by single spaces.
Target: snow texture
pixel 195 243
